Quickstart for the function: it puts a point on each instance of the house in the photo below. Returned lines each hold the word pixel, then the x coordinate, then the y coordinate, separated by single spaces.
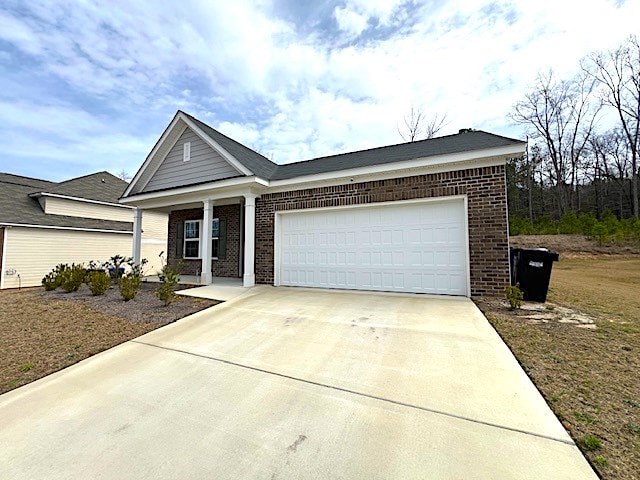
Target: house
pixel 424 217
pixel 45 223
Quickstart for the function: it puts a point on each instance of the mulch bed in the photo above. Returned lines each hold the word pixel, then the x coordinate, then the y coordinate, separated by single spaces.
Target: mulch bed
pixel 43 332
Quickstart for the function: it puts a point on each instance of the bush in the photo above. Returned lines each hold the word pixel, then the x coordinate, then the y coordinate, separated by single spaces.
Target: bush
pixel 519 226
pixel 99 282
pixel 514 296
pixel 569 223
pixel 129 286
pixel 169 278
pixel 53 279
pixel 72 277
pixel 116 266
pixel 50 282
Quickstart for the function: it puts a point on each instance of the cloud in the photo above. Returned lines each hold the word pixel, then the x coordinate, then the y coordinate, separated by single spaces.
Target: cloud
pixel 75 75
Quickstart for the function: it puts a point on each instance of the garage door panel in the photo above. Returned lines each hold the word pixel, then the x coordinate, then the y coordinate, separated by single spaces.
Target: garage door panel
pixel 412 248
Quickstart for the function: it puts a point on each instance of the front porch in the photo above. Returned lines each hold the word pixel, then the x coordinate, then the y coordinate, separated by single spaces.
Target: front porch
pixel 211 240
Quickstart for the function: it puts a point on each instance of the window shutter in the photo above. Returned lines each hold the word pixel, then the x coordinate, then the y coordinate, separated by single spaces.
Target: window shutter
pixel 222 242
pixel 179 239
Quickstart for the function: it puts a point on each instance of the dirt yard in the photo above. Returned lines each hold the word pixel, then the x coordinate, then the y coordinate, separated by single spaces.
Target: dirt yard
pixel 42 332
pixel 582 348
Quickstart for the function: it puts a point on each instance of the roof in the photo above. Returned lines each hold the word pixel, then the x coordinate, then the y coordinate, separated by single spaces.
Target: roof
pixel 18 206
pixel 464 141
pixel 100 186
pixel 260 165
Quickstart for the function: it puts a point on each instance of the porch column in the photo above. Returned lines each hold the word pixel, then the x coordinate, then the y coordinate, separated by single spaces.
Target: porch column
pixel 137 235
pixel 249 277
pixel 205 249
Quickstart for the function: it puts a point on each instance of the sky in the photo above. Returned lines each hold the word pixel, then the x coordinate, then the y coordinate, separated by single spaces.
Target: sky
pixel 90 86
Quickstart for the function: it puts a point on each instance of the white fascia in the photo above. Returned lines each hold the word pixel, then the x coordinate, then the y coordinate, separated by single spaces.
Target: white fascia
pixel 152 154
pixel 434 164
pixel 77 199
pixel 216 146
pixel 218 190
pixel 78 229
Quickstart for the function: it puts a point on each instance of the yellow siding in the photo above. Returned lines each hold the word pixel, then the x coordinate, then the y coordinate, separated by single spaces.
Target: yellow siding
pixel 33 252
pixel 74 208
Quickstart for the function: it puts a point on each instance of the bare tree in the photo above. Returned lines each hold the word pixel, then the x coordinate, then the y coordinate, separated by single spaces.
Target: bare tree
pixel 560 118
pixel 618 72
pixel 123 175
pixel 418 127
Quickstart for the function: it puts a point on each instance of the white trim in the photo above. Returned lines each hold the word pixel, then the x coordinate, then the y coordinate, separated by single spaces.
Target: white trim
pixel 5 237
pixel 277 227
pixel 249 274
pixel 161 160
pixel 152 154
pixel 186 152
pixel 77 199
pixel 216 146
pixel 185 240
pixel 51 227
pixel 213 186
pixel 435 164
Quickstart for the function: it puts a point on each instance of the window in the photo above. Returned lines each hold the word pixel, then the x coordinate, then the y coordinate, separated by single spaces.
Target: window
pixel 186 151
pixel 192 239
pixel 215 238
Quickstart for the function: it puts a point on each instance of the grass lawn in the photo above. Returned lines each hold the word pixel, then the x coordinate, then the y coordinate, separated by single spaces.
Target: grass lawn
pixel 585 358
pixel 42 332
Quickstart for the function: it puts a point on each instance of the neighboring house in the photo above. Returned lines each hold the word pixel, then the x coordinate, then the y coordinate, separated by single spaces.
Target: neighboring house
pixel 425 217
pixel 44 223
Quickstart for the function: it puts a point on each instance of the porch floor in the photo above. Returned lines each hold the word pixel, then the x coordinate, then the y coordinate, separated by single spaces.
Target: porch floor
pixel 222 288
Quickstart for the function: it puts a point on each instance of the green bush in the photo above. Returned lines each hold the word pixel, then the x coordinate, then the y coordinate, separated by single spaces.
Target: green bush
pixel 569 223
pixel 169 279
pixel 514 296
pixel 600 233
pixel 589 443
pixel 116 265
pixel 99 282
pixel 587 222
pixel 53 279
pixel 519 226
pixel 129 286
pixel 545 226
pixel 72 277
pixel 50 282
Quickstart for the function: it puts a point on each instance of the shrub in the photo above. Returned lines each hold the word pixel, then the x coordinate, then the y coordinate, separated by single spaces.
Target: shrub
pixel 545 226
pixel 53 279
pixel 50 282
pixel 519 226
pixel 129 286
pixel 72 278
pixel 514 296
pixel 169 278
pixel 99 282
pixel 600 233
pixel 116 266
pixel 569 223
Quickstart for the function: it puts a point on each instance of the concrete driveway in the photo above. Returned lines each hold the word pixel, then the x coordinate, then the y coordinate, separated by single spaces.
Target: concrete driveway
pixel 292 383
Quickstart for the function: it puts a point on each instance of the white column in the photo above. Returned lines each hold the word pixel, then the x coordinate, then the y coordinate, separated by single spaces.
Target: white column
pixel 137 235
pixel 249 277
pixel 205 243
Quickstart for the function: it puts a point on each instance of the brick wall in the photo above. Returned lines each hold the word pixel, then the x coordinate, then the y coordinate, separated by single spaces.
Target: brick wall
pixel 224 267
pixel 487 207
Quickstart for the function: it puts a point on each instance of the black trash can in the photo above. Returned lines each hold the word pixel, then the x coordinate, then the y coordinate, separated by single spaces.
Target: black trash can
pixel 531 267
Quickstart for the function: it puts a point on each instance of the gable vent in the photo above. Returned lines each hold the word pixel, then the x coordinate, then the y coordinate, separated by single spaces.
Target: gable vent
pixel 186 152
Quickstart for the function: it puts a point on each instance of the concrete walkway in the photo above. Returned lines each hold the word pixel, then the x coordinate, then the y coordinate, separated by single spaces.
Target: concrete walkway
pixel 290 383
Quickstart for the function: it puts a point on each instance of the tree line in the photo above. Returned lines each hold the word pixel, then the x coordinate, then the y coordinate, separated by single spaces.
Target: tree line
pixel 584 141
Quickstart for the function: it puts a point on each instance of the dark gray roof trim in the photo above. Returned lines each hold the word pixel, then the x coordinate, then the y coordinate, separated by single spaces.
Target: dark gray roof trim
pixel 465 141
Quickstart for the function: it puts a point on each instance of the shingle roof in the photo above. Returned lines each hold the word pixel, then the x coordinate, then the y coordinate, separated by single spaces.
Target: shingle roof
pixel 256 163
pixel 101 186
pixel 466 140
pixel 18 207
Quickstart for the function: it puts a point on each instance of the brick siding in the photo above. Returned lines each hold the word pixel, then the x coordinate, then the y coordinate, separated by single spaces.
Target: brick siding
pixel 487 210
pixel 226 267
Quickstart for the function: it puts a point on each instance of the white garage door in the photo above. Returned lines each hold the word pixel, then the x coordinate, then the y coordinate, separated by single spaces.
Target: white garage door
pixel 400 247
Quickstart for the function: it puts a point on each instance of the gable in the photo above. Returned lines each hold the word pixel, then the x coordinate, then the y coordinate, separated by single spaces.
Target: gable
pixel 204 165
